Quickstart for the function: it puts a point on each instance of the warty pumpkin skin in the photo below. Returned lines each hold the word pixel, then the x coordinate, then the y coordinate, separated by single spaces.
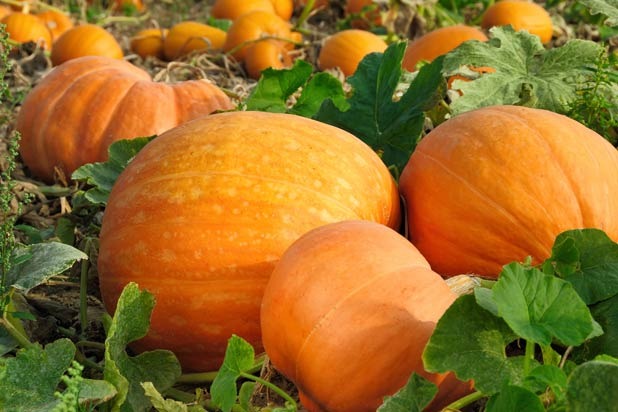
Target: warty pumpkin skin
pixel 75 112
pixel 205 210
pixel 498 184
pixel 346 315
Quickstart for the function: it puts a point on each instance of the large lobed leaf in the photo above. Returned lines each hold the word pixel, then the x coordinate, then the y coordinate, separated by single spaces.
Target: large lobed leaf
pixel 607 7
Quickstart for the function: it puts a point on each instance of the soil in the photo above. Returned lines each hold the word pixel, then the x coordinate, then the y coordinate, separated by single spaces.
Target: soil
pixel 56 304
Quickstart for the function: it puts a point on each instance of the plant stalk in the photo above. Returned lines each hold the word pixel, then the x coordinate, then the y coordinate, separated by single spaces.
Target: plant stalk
pixel 288 399
pixel 528 356
pixel 463 402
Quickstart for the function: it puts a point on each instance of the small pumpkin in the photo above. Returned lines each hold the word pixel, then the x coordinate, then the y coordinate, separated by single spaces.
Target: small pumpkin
pixel 188 36
pixel 283 8
pixel 345 49
pixel 438 42
pixel 266 54
pixel 138 5
pixel 85 40
pixel 76 111
pixel 205 210
pixel 24 28
pixel 368 13
pixel 253 26
pixel 57 22
pixel 347 313
pixel 5 10
pixel 148 42
pixel 522 15
pixel 232 9
pixel 498 184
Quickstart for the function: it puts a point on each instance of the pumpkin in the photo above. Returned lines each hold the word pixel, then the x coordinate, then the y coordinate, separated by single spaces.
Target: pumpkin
pixel 24 28
pixel 148 42
pixel 85 40
pixel 347 313
pixel 82 106
pixel 345 49
pixel 283 8
pixel 368 13
pixel 56 22
pixel 522 15
pixel 438 42
pixel 232 9
pixel 266 54
pixel 188 36
pixel 138 5
pixel 253 26
pixel 202 214
pixel 498 184
pixel 5 10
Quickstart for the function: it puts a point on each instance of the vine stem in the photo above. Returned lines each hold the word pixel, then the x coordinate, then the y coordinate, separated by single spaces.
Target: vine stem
pixel 83 290
pixel 528 356
pixel 272 387
pixel 304 15
pixel 23 340
pixel 465 401
pixel 207 377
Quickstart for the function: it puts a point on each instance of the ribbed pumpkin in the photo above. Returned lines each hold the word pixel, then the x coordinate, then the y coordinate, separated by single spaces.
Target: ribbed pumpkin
pixel 81 107
pixel 438 42
pixel 188 36
pixel 85 40
pixel 498 184
pixel 148 42
pixel 23 28
pixel 522 15
pixel 345 49
pixel 57 22
pixel 346 315
pixel 204 211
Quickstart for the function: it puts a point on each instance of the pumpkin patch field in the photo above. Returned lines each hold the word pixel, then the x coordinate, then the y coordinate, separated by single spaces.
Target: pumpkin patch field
pixel 308 206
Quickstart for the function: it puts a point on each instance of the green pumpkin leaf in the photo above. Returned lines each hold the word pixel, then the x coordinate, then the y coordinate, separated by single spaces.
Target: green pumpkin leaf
pixel 540 307
pixel 606 313
pixel 391 126
pixel 593 386
pixel 547 376
pixel 28 381
pixel 607 7
pixel 514 398
pixel 588 259
pixel 472 342
pixel 244 395
pixel 167 405
pixel 95 392
pixel 44 261
pixel 526 74
pixel 239 357
pixel 413 397
pixel 103 175
pixel 131 322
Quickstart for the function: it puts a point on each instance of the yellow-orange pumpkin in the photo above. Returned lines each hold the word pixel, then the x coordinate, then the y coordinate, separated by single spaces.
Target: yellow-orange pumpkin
pixel 266 54
pixel 232 9
pixel 85 40
pixel 346 315
pixel 365 18
pixel 345 49
pixel 23 28
pixel 188 36
pixel 438 42
pixel 82 106
pixel 205 210
pixel 522 15
pixel 148 42
pixel 57 22
pixel 498 184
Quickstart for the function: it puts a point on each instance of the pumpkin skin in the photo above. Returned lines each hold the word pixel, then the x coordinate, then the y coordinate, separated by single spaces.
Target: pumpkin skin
pixel 149 42
pixel 522 15
pixel 438 42
pixel 265 54
pixel 188 36
pixel 56 22
pixel 345 49
pixel 23 28
pixel 85 40
pixel 498 184
pixel 365 19
pixel 76 111
pixel 354 302
pixel 232 9
pixel 204 211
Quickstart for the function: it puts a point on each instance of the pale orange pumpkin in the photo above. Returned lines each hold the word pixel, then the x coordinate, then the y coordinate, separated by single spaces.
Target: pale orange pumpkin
pixel 438 42
pixel 188 36
pixel 85 40
pixel 56 22
pixel 232 9
pixel 345 49
pixel 522 15
pixel 24 27
pixel 148 42
pixel 5 10
pixel 266 54
pixel 76 111
pixel 347 313
pixel 202 214
pixel 498 184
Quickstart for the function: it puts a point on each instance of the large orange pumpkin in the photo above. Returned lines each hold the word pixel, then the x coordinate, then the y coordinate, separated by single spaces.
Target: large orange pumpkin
pixel 85 40
pixel 347 313
pixel 82 106
pixel 522 15
pixel 204 211
pixel 345 49
pixel 498 184
pixel 438 42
